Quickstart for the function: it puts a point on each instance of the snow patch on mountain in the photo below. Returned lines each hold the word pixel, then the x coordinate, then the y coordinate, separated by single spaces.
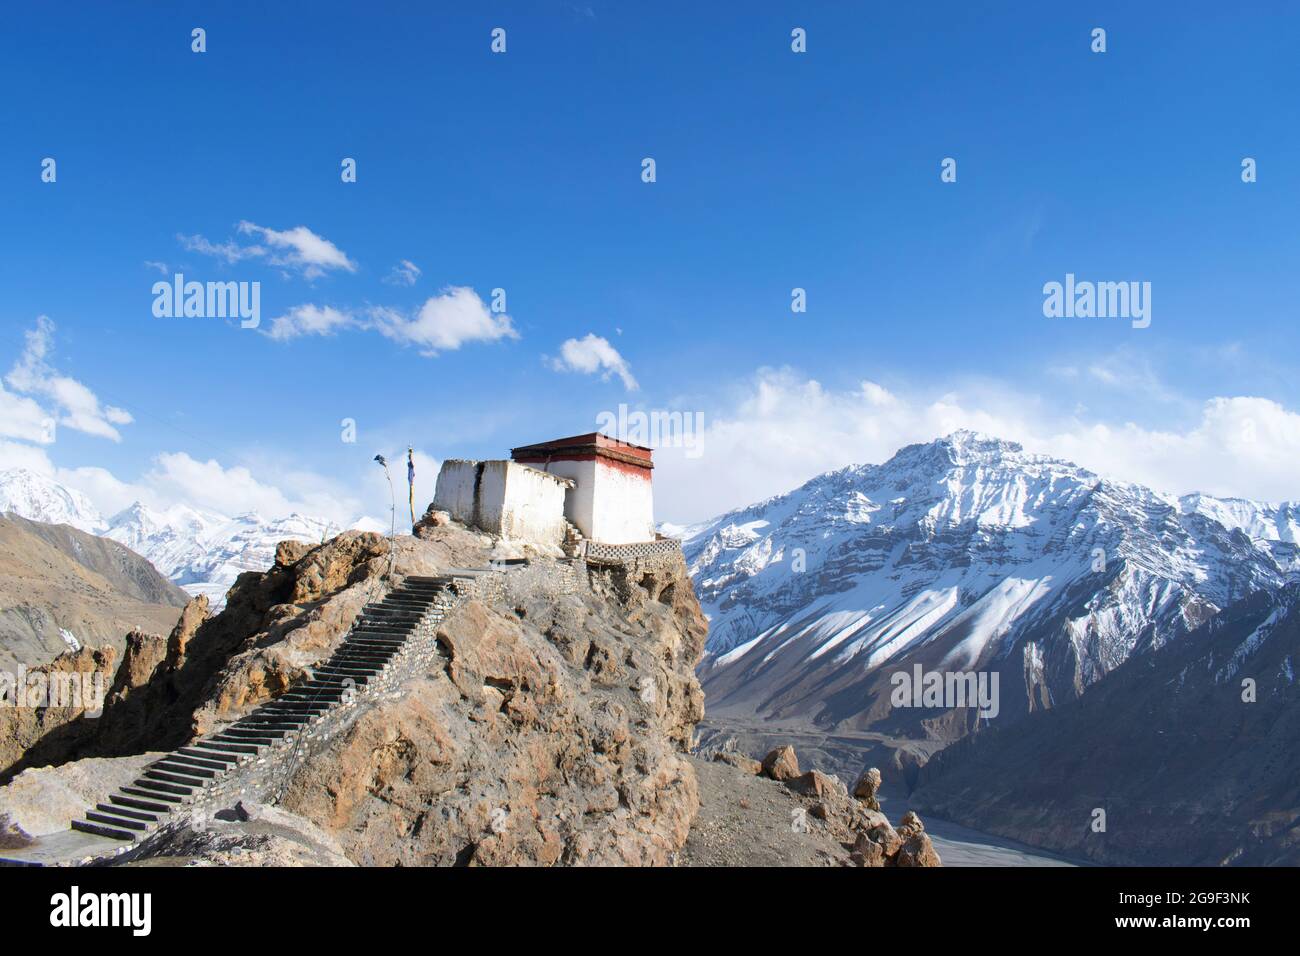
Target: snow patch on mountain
pixel 37 497
pixel 966 550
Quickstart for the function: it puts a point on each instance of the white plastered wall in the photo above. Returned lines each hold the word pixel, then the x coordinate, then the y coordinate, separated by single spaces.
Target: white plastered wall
pixel 503 497
pixel 609 504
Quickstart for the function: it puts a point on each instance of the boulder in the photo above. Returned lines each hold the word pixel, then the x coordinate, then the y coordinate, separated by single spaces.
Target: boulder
pixel 867 787
pixel 781 764
pixel 817 784
pixel 867 852
pixel 886 836
pixel 917 850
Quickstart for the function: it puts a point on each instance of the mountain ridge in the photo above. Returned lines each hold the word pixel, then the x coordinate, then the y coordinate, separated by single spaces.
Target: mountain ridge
pixel 200 550
pixel 965 552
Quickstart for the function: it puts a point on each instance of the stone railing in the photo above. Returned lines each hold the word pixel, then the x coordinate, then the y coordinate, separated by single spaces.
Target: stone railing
pixel 636 552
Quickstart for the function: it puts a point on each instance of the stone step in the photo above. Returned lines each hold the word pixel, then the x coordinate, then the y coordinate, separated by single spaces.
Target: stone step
pixel 287 722
pixel 371 627
pixel 226 746
pixel 396 615
pixel 113 833
pixel 282 707
pixel 285 706
pixel 327 688
pixel 136 803
pixel 180 779
pixel 331 698
pixel 236 740
pixel 392 625
pixel 159 788
pixel 115 810
pixel 347 666
pixel 210 755
pixel 152 794
pixel 183 758
pixel 362 658
pixel 113 820
pixel 250 724
pixel 172 765
pixel 348 670
pixel 258 735
pixel 349 651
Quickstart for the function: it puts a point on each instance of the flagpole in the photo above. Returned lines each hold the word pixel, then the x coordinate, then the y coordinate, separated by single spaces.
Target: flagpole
pixel 410 481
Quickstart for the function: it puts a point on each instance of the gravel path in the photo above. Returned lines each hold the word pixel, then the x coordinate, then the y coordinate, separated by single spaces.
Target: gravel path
pixel 753 821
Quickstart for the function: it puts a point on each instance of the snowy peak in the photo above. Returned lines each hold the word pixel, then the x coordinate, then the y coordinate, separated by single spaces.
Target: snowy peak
pixel 962 448
pixel 39 498
pixel 1259 520
pixel 965 551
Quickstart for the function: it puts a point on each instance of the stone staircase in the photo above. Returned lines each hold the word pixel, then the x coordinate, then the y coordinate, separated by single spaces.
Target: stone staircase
pixel 574 544
pixel 260 750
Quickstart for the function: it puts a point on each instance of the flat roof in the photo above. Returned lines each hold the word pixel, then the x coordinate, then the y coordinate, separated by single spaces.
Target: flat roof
pixel 591 438
pixel 590 445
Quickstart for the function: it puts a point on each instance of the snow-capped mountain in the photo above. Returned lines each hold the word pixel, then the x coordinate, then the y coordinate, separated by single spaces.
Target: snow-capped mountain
pixel 964 554
pixel 205 552
pixel 1275 528
pixel 1170 737
pixel 201 551
pixel 37 498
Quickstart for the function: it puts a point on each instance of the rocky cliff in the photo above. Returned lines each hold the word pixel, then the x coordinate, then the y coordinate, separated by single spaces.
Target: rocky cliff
pixel 552 728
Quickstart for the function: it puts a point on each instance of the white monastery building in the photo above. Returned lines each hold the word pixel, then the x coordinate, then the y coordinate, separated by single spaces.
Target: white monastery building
pixel 598 484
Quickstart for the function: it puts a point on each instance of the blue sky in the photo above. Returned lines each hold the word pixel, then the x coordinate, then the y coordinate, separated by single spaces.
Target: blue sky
pixel 775 170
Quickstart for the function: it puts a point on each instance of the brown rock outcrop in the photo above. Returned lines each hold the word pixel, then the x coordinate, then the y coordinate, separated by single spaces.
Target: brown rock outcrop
pixel 867 786
pixel 211 670
pixel 551 731
pixel 781 763
pixel 26 719
pixel 917 851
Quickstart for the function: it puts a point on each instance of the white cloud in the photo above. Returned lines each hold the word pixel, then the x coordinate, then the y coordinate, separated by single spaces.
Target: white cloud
pixel 405 272
pixel 302 249
pixel 308 320
pixel 160 267
pixel 177 478
pixel 592 354
pixel 446 322
pixel 22 417
pixel 19 455
pixel 782 429
pixel 77 406
pixel 298 248
pixel 228 251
